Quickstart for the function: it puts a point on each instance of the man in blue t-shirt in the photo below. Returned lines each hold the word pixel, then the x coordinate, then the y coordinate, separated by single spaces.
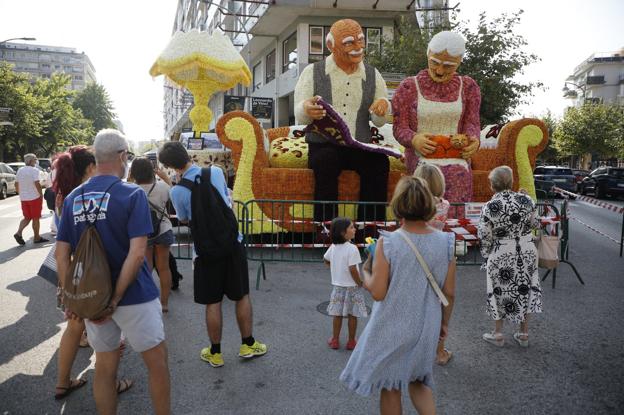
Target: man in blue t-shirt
pixel 214 277
pixel 123 224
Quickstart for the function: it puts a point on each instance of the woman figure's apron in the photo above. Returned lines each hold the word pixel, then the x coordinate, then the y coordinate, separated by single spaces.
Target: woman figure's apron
pixel 442 118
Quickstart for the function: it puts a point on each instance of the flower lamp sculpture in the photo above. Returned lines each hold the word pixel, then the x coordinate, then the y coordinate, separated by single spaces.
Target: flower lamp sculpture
pixel 204 64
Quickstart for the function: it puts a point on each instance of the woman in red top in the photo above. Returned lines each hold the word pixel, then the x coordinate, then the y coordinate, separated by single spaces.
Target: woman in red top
pixel 438 101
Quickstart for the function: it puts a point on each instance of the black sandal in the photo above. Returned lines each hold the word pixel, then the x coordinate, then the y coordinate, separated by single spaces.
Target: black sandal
pixel 73 385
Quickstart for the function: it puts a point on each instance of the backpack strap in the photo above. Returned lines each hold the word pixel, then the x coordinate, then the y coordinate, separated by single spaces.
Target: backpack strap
pixel 205 175
pixel 189 184
pixel 151 188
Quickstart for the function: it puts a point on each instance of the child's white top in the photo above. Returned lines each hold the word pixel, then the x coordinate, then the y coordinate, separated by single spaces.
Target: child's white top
pixel 341 257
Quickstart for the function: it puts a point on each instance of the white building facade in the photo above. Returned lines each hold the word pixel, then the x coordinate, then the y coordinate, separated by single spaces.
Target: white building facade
pixel 277 39
pixel 42 61
pixel 598 79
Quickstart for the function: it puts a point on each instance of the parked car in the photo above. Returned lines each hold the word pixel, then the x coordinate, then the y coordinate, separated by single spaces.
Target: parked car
pixel 45 164
pixel 579 175
pixel 44 177
pixel 603 182
pixel 7 181
pixel 547 176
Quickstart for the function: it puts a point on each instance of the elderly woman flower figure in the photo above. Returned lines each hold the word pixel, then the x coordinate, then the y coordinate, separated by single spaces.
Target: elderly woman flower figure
pixel 203 63
pixel 439 102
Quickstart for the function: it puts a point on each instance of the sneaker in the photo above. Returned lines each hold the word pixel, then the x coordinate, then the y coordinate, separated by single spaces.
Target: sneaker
pixel 333 343
pixel 496 339
pixel 215 360
pixel 256 349
pixel 351 344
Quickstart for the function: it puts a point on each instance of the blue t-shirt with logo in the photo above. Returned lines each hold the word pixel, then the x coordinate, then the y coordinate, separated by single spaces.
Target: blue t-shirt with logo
pixel 124 214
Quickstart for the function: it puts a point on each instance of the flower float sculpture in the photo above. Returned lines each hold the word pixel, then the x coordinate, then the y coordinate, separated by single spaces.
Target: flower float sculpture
pixel 204 64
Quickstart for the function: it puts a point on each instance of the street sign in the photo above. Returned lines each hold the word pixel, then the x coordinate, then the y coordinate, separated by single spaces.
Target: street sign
pixel 5 116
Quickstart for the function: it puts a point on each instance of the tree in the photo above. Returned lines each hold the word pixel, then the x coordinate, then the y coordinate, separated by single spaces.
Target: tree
pixel 96 106
pixel 592 128
pixel 550 153
pixel 42 115
pixel 494 57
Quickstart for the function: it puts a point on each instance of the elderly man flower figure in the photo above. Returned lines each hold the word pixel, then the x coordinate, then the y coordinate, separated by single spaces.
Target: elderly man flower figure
pixel 439 102
pixel 358 93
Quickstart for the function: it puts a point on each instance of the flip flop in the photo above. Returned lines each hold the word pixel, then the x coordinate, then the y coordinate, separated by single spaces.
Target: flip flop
pixel 73 385
pixel 19 239
pixel 41 241
pixel 445 362
pixel 123 385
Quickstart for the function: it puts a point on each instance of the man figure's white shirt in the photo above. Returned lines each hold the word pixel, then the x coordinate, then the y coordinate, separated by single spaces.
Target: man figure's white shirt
pixel 346 93
pixel 26 177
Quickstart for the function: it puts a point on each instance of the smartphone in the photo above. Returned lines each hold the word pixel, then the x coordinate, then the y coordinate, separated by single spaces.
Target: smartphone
pixel 154 159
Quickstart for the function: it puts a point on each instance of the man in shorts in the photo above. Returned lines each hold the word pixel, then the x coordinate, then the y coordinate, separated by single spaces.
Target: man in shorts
pixel 214 278
pixel 123 224
pixel 29 188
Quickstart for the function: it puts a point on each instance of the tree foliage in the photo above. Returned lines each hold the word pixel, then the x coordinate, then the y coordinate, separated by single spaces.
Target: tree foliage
pixel 96 106
pixel 591 128
pixel 495 56
pixel 44 120
pixel 550 155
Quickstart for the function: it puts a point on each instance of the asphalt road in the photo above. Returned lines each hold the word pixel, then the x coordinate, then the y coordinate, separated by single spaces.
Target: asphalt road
pixel 575 364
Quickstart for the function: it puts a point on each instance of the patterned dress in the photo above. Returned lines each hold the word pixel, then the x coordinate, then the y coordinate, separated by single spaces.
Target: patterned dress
pixel 513 284
pixel 398 345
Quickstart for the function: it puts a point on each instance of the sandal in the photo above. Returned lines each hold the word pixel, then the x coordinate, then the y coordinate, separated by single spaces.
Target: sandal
pixel 66 391
pixel 523 342
pixel 123 385
pixel 444 362
pixel 84 341
pixel 19 239
pixel 494 338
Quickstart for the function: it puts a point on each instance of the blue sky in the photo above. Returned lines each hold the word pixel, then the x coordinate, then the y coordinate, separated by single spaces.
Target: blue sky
pixel 123 38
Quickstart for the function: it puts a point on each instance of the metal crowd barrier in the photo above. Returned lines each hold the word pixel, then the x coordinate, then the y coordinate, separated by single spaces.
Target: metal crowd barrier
pixel 274 231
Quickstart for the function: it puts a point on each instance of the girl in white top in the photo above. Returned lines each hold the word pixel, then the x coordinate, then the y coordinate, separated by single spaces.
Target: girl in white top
pixel 142 173
pixel 347 299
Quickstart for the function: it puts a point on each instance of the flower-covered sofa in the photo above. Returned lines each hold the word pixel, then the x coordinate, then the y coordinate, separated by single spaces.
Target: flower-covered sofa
pixel 272 164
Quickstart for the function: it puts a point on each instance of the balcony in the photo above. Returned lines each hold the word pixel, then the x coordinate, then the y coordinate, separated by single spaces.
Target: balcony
pixel 595 80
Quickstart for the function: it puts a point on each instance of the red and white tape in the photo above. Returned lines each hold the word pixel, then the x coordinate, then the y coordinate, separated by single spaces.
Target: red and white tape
pixel 596 230
pixel 593 201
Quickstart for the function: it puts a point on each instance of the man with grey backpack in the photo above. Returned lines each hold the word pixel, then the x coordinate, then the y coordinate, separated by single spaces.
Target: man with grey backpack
pixel 109 216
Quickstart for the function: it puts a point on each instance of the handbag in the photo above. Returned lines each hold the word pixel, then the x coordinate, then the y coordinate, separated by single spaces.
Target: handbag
pixel 425 267
pixel 548 251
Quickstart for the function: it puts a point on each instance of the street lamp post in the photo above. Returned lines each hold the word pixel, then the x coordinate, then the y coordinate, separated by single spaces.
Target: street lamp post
pixel 567 91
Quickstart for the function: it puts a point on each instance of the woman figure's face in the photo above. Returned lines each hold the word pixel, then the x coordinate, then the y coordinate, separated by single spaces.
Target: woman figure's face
pixel 442 66
pixel 350 232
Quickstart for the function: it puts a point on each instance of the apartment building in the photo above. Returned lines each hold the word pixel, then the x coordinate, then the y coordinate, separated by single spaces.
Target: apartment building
pixel 278 39
pixel 42 61
pixel 599 79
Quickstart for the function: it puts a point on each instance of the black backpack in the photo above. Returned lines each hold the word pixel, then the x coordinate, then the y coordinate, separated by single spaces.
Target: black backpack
pixel 155 214
pixel 213 225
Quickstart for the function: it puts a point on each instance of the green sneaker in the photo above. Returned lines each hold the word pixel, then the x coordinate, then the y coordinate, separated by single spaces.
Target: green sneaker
pixel 215 360
pixel 256 349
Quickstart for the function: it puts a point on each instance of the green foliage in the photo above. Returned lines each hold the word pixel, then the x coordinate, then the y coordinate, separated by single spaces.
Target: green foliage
pixel 96 106
pixel 494 57
pixel 550 155
pixel 591 128
pixel 44 120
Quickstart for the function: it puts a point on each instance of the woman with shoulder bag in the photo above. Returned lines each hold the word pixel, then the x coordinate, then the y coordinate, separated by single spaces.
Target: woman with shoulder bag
pixel 397 349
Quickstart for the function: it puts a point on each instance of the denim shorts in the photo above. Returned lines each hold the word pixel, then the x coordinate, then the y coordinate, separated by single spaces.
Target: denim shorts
pixel 165 239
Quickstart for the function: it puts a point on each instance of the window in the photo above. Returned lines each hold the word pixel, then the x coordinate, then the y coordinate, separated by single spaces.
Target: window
pixel 373 39
pixel 257 76
pixel 270 66
pixel 289 53
pixel 316 40
pixel 78 77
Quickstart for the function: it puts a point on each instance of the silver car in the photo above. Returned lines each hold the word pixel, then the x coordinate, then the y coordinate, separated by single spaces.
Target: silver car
pixel 7 181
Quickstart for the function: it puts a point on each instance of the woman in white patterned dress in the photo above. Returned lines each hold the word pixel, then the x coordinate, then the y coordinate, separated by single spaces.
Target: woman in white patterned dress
pixel 513 284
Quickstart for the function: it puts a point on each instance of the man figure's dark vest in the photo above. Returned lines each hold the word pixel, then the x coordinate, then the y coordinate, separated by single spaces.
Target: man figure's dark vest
pixel 323 87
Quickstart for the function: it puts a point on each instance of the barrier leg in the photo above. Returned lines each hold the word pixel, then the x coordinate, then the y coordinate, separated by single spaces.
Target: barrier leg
pixel 622 237
pixel 554 277
pixel 546 275
pixel 573 269
pixel 261 271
